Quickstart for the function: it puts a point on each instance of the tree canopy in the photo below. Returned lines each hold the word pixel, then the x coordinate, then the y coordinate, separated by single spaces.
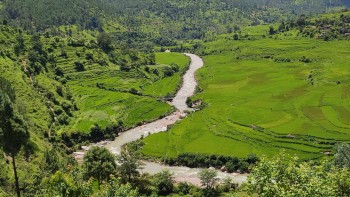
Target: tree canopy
pixel 99 163
pixel 287 176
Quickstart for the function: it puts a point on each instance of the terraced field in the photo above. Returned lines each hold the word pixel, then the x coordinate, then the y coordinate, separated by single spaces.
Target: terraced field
pixel 103 93
pixel 264 94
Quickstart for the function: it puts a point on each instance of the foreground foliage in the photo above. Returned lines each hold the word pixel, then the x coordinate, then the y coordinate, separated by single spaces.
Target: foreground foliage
pixel 99 163
pixel 14 133
pixel 285 176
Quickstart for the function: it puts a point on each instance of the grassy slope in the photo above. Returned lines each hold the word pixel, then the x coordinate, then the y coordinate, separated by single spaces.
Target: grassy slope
pixel 96 105
pixel 31 103
pixel 168 85
pixel 243 87
pixel 104 106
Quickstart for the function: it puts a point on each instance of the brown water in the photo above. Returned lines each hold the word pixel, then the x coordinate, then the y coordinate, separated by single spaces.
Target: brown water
pixel 179 102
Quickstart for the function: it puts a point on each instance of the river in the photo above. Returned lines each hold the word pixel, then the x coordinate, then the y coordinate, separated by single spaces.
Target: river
pixel 179 102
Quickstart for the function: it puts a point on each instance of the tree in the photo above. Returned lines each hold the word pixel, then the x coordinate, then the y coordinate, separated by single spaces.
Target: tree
pixel 79 66
pixel 301 22
pixel 104 41
pixel 115 188
pixel 99 163
pixel 183 188
pixel 164 182
pixel 37 44
pixel 13 129
pixel 19 46
pixel 51 161
pixel 151 59
pixel 67 183
pixel 282 27
pixel 208 178
pixel 61 184
pixel 129 164
pixel 235 37
pixel 271 30
pixel 285 176
pixel 342 155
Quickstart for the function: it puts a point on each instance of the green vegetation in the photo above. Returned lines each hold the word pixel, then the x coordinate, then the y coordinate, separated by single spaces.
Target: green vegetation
pixel 75 72
pixel 99 163
pixel 104 95
pixel 264 93
pixel 161 21
pixel 208 178
pixel 288 177
pixel 227 163
pixel 164 183
pixel 13 129
pixel 60 80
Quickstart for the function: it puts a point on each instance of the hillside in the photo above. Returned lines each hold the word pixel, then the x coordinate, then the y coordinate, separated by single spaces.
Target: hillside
pixel 68 84
pixel 163 22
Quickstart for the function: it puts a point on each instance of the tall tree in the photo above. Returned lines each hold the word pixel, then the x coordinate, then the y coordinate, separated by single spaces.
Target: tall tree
pixel 14 131
pixel 99 163
pixel 129 164
pixel 208 178
pixel 271 30
pixel 164 182
pixel 104 41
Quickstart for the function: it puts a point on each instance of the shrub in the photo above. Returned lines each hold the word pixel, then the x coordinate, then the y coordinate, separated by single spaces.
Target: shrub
pixel 183 188
pixel 79 66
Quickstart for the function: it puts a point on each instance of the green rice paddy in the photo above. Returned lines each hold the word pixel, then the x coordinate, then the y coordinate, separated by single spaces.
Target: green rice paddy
pixel 263 96
pixel 113 102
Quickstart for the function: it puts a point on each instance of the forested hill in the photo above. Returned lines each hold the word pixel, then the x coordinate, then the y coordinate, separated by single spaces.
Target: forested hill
pixel 179 19
pixel 346 3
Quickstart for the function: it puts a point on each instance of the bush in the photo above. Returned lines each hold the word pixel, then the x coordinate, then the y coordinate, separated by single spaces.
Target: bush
pixel 89 56
pixel 63 119
pixel 305 60
pixel 64 54
pixel 134 91
pixel 59 90
pixel 79 66
pixel 168 72
pixel 164 182
pixel 76 43
pixel 183 188
pixel 58 110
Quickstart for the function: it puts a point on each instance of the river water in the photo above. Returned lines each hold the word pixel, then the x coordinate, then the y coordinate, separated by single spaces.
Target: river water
pixel 179 102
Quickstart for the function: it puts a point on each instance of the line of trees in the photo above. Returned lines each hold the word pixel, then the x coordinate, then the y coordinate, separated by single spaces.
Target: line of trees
pixel 226 163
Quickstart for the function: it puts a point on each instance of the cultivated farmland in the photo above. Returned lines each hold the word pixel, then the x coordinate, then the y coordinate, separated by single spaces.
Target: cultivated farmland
pixel 264 94
pixel 107 94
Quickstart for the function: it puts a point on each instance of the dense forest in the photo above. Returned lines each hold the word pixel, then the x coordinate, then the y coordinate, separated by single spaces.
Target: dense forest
pixel 75 72
pixel 161 20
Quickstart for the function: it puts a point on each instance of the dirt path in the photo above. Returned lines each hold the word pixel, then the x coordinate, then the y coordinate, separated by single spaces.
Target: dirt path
pixel 180 173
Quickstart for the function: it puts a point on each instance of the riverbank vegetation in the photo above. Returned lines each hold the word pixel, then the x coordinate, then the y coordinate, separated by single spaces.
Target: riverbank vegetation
pixel 286 176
